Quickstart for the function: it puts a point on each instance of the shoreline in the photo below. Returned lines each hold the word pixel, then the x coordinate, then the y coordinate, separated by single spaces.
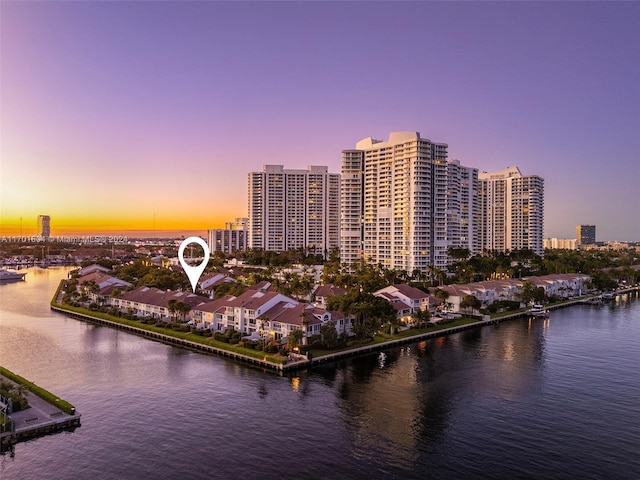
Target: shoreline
pixel 290 366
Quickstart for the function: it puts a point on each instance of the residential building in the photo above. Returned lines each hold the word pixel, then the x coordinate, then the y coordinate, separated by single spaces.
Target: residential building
pixel 585 235
pixel 403 204
pixel 291 209
pixel 44 226
pixel 512 211
pixel 209 281
pixel 560 243
pixel 153 302
pixel 257 313
pixel 90 269
pixel 407 300
pixel 99 286
pixel 321 293
pixel 562 285
pixel 230 239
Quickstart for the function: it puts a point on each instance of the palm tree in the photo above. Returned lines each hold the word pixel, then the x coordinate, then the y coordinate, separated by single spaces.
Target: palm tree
pixel 305 324
pixel 173 308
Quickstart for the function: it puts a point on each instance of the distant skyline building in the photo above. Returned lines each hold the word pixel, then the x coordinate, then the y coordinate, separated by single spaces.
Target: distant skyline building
pixel 512 211
pixel 230 239
pixel 403 204
pixel 291 209
pixel 586 235
pixel 44 226
pixel 560 243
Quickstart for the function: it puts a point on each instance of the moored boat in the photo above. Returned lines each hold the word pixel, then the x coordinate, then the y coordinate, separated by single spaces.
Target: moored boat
pixel 10 276
pixel 538 310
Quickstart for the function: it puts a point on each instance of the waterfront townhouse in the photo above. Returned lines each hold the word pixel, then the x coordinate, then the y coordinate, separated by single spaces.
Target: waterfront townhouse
pixel 210 281
pixel 413 297
pixel 256 313
pixel 285 317
pixel 321 293
pixel 156 303
pixel 240 313
pixel 91 268
pixel 562 285
pixel 99 286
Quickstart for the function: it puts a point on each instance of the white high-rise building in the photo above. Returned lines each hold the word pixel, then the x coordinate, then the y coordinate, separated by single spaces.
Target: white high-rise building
pixel 463 208
pixel 231 238
pixel 512 211
pixel 294 209
pixel 403 204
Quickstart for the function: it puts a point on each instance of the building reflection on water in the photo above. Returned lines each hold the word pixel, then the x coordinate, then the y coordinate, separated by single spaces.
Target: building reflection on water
pixel 403 401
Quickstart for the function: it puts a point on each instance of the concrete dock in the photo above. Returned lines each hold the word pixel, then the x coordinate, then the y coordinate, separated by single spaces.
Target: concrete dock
pixel 41 418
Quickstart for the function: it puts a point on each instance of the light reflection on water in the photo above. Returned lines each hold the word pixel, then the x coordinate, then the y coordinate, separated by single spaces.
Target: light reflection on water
pixel 520 399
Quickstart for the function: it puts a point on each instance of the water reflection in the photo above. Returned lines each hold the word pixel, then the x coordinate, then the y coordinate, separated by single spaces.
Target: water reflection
pixel 404 399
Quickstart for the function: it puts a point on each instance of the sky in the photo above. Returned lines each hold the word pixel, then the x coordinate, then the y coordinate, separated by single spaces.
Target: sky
pixel 123 116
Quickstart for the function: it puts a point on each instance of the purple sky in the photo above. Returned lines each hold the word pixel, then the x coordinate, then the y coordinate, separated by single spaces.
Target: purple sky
pixel 113 112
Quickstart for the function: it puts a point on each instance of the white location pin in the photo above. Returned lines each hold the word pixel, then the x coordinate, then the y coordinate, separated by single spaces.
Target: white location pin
pixel 194 272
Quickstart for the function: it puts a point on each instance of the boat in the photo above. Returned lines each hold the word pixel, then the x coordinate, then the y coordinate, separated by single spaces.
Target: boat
pixel 10 276
pixel 608 296
pixel 538 310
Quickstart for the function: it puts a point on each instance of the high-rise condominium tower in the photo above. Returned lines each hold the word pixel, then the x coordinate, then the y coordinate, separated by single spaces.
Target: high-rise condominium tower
pixel 403 204
pixel 231 238
pixel 44 225
pixel 512 211
pixel 585 234
pixel 294 209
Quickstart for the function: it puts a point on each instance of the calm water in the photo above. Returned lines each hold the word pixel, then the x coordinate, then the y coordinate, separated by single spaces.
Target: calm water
pixel 557 398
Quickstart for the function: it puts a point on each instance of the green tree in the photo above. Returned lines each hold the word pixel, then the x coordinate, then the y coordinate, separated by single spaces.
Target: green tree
pixel 295 339
pixel 470 302
pixel 527 292
pixel 329 334
pixel 421 318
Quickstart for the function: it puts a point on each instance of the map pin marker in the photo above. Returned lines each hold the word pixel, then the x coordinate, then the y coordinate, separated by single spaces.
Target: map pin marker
pixel 194 272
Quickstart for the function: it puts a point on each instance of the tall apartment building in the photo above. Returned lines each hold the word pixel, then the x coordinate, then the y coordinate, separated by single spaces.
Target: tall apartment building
pixel 512 211
pixel 559 243
pixel 44 226
pixel 294 209
pixel 232 238
pixel 403 204
pixel 585 234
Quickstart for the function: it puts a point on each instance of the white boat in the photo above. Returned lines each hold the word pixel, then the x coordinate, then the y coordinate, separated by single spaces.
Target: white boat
pixel 608 296
pixel 10 276
pixel 538 310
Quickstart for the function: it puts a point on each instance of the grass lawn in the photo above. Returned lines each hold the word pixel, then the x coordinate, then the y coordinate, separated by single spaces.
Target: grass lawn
pixel 209 341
